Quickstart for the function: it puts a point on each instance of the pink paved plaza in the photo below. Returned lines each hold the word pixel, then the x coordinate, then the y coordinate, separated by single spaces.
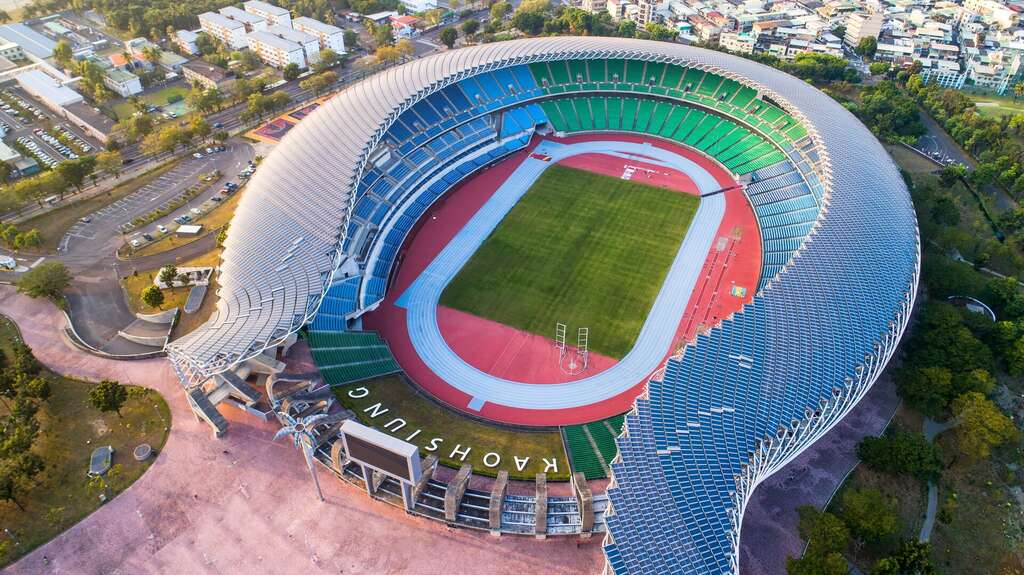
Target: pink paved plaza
pixel 243 504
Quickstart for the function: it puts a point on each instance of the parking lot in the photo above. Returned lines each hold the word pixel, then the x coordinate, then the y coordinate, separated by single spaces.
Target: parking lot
pixel 103 224
pixel 22 120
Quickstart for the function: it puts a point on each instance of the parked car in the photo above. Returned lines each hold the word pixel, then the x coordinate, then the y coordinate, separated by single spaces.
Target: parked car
pixel 197 155
pixel 196 211
pixel 136 243
pixel 162 229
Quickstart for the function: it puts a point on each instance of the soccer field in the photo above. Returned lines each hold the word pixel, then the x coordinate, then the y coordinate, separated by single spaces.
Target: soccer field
pixel 579 248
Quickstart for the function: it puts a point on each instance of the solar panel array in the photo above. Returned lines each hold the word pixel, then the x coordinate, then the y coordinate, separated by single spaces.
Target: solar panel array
pixel 746 397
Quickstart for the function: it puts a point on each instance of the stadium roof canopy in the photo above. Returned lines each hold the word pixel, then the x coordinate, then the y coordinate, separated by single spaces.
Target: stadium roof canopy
pixel 734 408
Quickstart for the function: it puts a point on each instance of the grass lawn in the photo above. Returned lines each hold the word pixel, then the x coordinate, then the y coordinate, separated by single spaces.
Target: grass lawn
pixel 70 430
pixel 134 284
pixel 911 161
pixel 579 248
pixel 123 109
pixel 404 401
pixel 997 106
pixel 986 501
pixel 54 224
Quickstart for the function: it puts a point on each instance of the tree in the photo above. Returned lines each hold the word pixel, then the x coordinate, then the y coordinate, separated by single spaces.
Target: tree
pixel 153 297
pixel 110 162
pixel 320 82
pixel 221 136
pixel 470 27
pixel 108 395
pixel 869 514
pixel 626 29
pixel 901 452
pixel 168 275
pixel 328 59
pixel 48 279
pixel 62 53
pixel 661 32
pixel 75 172
pixel 867 47
pixel 912 558
pixel 152 54
pixel 387 54
pixel 500 9
pixel 17 473
pixel 982 426
pixel 351 39
pixel 448 37
pixel 405 48
pixel 383 35
pixel 199 128
pixel 291 71
pixel 878 68
pixel 927 389
pixel 826 537
pixel 529 22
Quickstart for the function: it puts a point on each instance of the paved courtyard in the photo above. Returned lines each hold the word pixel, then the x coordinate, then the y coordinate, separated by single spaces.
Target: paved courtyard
pixel 244 504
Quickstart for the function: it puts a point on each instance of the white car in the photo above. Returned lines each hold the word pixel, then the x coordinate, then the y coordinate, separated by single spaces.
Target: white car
pixel 162 229
pixel 197 155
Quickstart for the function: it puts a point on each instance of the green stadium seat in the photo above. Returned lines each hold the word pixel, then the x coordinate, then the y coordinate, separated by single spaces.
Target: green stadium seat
pixel 673 75
pixel 578 71
pixel 635 72
pixel 597 71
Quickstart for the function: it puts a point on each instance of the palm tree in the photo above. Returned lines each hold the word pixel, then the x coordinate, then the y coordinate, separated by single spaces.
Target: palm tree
pixel 301 431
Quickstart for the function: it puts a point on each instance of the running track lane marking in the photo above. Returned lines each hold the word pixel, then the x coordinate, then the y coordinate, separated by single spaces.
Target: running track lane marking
pixel 659 329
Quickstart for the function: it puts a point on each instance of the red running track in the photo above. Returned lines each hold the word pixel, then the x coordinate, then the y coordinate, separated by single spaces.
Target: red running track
pixel 506 352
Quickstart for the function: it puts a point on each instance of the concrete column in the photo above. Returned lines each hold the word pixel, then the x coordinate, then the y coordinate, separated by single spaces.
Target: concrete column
pixel 497 502
pixel 456 489
pixel 540 526
pixel 585 500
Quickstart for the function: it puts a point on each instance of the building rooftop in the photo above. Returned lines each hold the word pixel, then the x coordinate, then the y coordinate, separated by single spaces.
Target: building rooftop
pixel 91 116
pixel 292 34
pixel 214 73
pixel 316 25
pixel 120 76
pixel 31 41
pixel 48 88
pixel 265 7
pixel 8 154
pixel 241 15
pixel 220 20
pixel 273 41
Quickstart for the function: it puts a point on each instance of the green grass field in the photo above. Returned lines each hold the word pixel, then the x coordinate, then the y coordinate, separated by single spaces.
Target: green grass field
pixel 402 400
pixel 579 248
pixel 997 106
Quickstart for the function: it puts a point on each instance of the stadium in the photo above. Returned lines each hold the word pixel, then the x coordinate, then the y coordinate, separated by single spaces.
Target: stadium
pixel 697 259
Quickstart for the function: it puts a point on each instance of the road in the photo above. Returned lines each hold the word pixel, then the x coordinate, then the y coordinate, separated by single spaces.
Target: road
pixel 96 302
pixel 940 145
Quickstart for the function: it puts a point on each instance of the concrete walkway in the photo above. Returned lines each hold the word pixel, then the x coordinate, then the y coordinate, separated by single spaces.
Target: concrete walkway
pixel 245 504
pixel 932 429
pixel 655 338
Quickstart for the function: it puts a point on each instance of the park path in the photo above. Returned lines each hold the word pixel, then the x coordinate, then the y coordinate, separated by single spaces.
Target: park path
pixel 244 504
pixel 932 428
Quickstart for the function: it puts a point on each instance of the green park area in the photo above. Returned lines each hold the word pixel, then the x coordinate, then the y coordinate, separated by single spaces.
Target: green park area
pixel 173 96
pixel 998 106
pixel 579 248
pixel 50 428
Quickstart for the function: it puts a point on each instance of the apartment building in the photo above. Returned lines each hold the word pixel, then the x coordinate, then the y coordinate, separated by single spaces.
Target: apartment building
pixel 252 22
pixel 274 15
pixel 861 25
pixel 310 44
pixel 230 32
pixel 276 51
pixel 330 37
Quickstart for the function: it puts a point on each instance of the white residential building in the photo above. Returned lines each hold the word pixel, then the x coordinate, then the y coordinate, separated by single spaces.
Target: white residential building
pixel 252 22
pixel 230 32
pixel 124 83
pixel 186 40
pixel 276 51
pixel 330 37
pixel 274 15
pixel 860 26
pixel 310 44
